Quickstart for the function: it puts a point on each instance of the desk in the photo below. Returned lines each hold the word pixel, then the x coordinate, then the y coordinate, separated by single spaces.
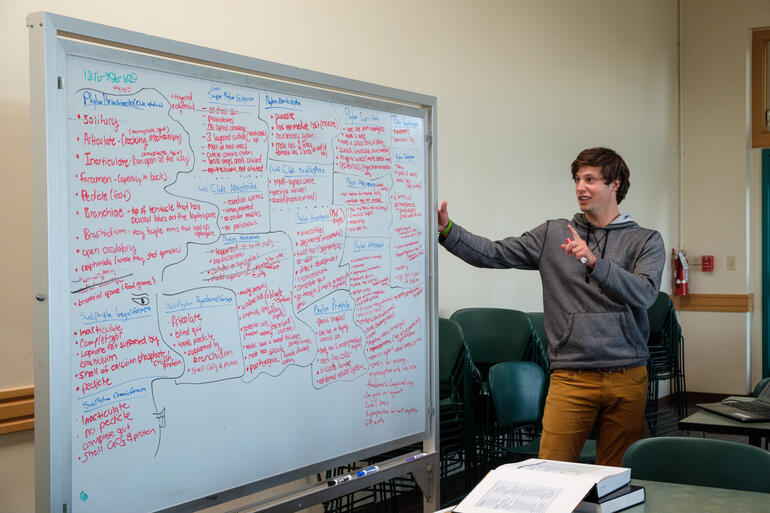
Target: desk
pixel 712 423
pixel 678 498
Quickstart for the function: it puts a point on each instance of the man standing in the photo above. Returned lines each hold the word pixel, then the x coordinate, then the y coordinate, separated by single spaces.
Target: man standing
pixel 600 272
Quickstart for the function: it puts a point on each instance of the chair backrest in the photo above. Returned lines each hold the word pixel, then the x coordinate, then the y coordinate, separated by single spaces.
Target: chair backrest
pixel 518 393
pixel 537 321
pixel 450 340
pixel 760 386
pixel 700 462
pixel 494 334
pixel 450 344
pixel 659 313
pixel 540 348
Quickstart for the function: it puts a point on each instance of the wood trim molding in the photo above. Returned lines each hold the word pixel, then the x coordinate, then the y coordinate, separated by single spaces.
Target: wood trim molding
pixel 714 303
pixel 760 135
pixel 17 409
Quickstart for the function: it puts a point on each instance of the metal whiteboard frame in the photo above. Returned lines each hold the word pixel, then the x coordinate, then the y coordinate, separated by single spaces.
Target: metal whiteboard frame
pixel 51 38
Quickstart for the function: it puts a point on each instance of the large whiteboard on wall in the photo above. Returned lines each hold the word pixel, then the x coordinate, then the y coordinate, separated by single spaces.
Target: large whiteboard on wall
pixel 248 278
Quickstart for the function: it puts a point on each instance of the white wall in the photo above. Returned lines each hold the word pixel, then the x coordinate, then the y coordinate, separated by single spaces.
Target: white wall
pixel 722 177
pixel 522 87
pixel 596 73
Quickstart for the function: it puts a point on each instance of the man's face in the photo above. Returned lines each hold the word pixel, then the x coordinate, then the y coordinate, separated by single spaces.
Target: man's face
pixel 594 196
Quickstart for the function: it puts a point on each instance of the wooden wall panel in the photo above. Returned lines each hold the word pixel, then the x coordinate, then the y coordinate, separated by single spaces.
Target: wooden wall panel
pixel 17 409
pixel 714 302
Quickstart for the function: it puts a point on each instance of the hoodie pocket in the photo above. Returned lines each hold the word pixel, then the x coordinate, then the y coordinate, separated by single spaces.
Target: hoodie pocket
pixel 596 337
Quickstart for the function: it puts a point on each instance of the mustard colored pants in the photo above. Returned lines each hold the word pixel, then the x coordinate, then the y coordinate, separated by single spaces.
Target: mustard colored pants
pixel 578 399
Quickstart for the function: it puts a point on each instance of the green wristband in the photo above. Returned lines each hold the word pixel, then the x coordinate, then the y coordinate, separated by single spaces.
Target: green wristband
pixel 446 230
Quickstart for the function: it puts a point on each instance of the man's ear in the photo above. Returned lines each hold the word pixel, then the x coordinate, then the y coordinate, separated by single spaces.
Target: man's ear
pixel 615 185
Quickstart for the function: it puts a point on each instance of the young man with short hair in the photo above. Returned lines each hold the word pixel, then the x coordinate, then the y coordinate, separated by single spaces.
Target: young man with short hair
pixel 600 272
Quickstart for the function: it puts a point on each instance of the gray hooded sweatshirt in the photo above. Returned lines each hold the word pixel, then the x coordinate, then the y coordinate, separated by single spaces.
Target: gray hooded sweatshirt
pixel 594 319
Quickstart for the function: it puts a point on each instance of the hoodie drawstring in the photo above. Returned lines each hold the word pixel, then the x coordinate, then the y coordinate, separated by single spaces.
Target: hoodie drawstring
pixel 604 246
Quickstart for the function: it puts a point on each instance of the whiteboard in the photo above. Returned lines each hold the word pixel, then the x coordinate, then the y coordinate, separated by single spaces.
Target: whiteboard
pixel 247 286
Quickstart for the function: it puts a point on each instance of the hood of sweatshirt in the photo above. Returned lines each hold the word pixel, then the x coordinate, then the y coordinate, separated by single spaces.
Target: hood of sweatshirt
pixel 596 237
pixel 620 222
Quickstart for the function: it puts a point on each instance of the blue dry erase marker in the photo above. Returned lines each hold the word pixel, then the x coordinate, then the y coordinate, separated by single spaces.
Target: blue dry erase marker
pixel 368 470
pixel 416 456
pixel 341 479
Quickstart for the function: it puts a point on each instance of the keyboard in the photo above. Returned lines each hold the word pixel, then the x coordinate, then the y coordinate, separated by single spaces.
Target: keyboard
pixel 750 407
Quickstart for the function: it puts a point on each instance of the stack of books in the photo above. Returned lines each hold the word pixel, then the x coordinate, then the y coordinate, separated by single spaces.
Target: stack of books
pixel 624 497
pixel 544 486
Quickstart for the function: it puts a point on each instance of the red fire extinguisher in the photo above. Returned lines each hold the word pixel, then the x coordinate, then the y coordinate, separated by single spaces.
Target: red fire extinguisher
pixel 681 274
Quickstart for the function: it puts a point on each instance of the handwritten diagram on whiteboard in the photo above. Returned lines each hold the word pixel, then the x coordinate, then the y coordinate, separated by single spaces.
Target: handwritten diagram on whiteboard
pixel 247 283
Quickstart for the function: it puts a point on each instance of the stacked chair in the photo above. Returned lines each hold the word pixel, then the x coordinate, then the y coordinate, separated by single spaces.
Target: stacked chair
pixel 492 336
pixel 666 366
pixel 518 394
pixel 494 376
pixel 453 438
pixel 758 388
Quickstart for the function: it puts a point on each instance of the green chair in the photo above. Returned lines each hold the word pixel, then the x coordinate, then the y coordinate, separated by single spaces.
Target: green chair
pixel 518 394
pixel 758 390
pixel 455 481
pixel 450 355
pixel 540 348
pixel 700 462
pixel 494 335
pixel 760 386
pixel 666 365
pixel 537 320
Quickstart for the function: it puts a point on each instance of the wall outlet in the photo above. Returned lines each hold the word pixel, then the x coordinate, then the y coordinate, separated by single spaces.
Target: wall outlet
pixel 731 263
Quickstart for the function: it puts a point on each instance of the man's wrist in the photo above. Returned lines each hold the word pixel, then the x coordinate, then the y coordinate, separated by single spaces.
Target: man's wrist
pixel 446 230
